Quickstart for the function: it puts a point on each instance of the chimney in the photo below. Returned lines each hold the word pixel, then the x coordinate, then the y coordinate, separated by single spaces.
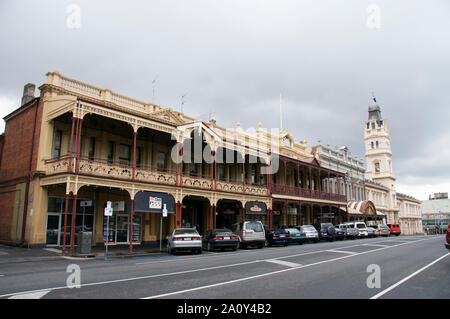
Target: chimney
pixel 28 93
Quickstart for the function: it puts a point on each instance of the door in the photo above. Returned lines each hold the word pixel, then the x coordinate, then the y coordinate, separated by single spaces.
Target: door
pixel 53 229
pixel 122 229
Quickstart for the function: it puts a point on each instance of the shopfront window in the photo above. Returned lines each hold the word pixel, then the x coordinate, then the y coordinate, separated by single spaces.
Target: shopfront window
pixel 118 229
pixel 84 219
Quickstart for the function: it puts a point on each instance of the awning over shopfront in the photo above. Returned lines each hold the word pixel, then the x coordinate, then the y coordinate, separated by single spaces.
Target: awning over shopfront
pixel 363 208
pixel 153 202
pixel 255 208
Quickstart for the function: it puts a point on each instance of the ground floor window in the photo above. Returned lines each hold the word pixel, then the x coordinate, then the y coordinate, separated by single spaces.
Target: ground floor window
pixel 118 229
pixel 84 219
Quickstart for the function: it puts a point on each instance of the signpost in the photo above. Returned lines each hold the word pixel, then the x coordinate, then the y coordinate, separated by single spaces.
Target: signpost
pixel 164 214
pixel 108 213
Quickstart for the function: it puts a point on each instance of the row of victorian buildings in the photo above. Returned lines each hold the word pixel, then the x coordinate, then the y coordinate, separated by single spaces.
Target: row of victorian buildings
pixel 76 149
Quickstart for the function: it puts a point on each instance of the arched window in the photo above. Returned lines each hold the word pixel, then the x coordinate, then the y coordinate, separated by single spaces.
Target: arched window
pixel 371 144
pixel 377 144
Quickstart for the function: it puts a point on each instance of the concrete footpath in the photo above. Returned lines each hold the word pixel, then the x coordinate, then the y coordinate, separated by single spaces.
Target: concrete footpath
pixel 14 254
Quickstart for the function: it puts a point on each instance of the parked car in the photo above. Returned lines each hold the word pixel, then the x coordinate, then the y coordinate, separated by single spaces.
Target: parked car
pixel 362 229
pixel 276 237
pixel 310 232
pixel 220 239
pixel 350 231
pixel 250 233
pixel 295 236
pixel 447 237
pixel 184 239
pixel 340 233
pixel 326 231
pixel 381 230
pixel 394 229
pixel 371 232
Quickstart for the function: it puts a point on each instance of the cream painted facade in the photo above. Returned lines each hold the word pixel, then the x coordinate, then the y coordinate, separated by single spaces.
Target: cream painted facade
pixel 380 177
pixel 105 118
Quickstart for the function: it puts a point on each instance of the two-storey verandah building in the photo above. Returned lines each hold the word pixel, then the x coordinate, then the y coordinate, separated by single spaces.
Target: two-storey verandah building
pixel 303 192
pixel 97 147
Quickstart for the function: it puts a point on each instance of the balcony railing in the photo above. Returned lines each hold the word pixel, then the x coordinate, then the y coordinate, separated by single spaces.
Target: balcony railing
pixel 147 174
pixel 308 193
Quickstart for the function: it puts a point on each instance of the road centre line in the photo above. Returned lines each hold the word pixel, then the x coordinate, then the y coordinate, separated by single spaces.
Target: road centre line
pixel 408 277
pixel 210 268
pixel 272 273
pixel 275 250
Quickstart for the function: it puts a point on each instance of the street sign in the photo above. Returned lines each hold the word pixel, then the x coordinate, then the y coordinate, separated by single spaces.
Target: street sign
pixel 164 211
pixel 108 209
pixel 85 203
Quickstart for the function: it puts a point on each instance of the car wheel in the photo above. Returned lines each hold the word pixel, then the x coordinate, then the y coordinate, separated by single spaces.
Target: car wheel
pixel 169 250
pixel 199 251
pixel 261 245
pixel 209 247
pixel 266 243
pixel 234 248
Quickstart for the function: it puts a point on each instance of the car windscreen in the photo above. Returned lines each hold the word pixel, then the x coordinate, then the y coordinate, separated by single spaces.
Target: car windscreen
pixel 254 226
pixel 185 232
pixel 292 230
pixel 308 228
pixel 222 232
pixel 360 226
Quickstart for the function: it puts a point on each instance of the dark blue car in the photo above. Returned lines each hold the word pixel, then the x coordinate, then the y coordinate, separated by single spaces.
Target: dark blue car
pixel 295 236
pixel 276 237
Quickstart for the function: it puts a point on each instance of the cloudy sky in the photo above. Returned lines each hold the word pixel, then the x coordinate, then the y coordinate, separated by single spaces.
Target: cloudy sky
pixel 233 58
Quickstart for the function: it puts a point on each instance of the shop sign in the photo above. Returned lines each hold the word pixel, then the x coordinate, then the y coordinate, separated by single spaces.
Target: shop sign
pixel 119 206
pixel 85 203
pixel 155 202
pixel 256 208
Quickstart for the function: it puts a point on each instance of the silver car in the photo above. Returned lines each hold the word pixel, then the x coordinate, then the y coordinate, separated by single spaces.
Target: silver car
pixel 381 230
pixel 310 232
pixel 371 232
pixel 184 239
pixel 350 231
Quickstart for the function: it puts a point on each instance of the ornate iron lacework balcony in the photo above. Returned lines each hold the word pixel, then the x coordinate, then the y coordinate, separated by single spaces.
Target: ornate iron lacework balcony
pixel 104 168
pixel 301 192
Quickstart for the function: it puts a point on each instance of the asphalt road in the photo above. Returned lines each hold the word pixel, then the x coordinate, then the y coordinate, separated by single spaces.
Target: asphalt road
pixel 408 268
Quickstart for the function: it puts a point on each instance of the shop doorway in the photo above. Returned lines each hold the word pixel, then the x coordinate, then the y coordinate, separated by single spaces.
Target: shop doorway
pixel 54 229
pixel 195 213
pixel 227 212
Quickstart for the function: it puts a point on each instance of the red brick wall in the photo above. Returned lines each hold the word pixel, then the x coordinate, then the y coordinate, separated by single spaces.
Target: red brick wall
pixel 15 160
pixel 18 141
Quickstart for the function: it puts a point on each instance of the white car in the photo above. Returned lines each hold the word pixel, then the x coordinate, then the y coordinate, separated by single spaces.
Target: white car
pixel 184 239
pixel 362 229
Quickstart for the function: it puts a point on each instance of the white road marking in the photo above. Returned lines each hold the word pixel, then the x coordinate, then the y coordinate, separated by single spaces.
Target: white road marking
pixel 375 245
pixel 2 253
pixel 268 274
pixel 341 251
pixel 33 295
pixel 216 267
pixel 282 262
pixel 378 295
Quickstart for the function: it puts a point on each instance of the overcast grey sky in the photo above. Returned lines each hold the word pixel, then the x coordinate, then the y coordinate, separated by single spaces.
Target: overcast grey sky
pixel 234 58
